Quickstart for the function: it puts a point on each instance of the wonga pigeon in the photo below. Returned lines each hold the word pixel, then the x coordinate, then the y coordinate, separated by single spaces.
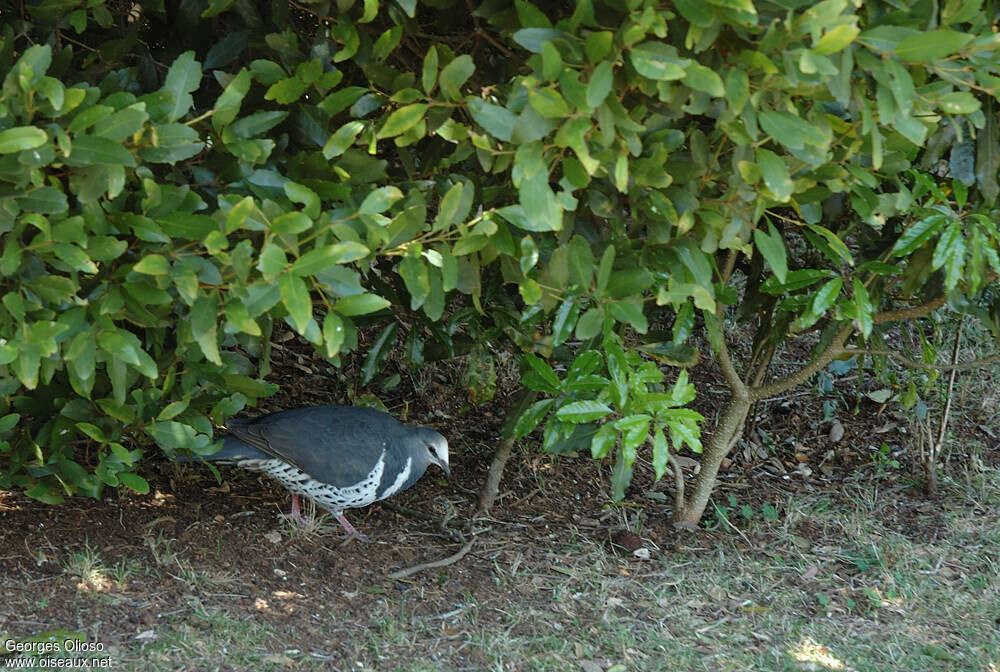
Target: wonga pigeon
pixel 341 457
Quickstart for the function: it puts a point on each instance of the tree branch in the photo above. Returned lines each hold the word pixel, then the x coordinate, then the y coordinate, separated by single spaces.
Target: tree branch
pixel 679 501
pixel 911 312
pixel 832 351
pixel 906 361
pixel 444 562
pixel 836 348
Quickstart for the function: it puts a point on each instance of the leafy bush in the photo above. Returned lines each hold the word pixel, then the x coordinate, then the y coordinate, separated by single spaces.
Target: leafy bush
pixel 573 180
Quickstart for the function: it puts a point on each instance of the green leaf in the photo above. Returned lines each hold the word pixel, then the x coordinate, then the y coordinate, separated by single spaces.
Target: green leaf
pixel 826 296
pixel 152 264
pixel 737 89
pixel 635 430
pixel 603 441
pixel 272 261
pixel 295 296
pixel 89 150
pixel 238 316
pixel 414 273
pixel 122 124
pixel 959 102
pixel 661 453
pixel 216 7
pixel 775 174
pixel 600 83
pixel 565 321
pixel 333 334
pixel 286 91
pixel 226 50
pixel 291 222
pixel 342 139
pixel 175 142
pixel 531 417
pixel 172 435
pixel 387 42
pixel 790 130
pixel 314 261
pixel 532 39
pixel 454 75
pixel 9 422
pixel 772 246
pixel 45 200
pixel 228 105
pixel 598 45
pixel 428 76
pixel 248 386
pixel 204 314
pixel 342 99
pixel 496 120
pixel 917 235
pixel 379 200
pixel 864 306
pixel 628 282
pixel 578 412
pixel 931 46
pixel 360 304
pixel 183 77
pixel 700 78
pixel 133 482
pixel 547 102
pixel 589 324
pixel 835 39
pixel 659 61
pixel 540 376
pixel 402 120
pixel 836 244
pixel 74 257
pixel 20 138
pixel 378 352
pixel 448 210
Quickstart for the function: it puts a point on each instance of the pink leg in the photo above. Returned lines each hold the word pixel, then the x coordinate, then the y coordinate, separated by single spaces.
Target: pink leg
pixel 296 513
pixel 350 528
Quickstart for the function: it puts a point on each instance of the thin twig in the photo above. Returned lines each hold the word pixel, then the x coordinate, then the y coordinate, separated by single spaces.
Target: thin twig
pixel 931 465
pixel 678 481
pixel 444 562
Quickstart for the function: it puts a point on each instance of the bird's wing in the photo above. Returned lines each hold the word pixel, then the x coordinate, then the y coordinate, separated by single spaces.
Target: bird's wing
pixel 333 447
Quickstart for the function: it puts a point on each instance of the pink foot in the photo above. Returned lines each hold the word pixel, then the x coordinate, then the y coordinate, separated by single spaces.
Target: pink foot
pixel 350 528
pixel 296 513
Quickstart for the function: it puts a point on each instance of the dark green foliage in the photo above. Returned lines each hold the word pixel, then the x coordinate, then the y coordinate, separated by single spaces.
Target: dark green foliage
pixel 177 176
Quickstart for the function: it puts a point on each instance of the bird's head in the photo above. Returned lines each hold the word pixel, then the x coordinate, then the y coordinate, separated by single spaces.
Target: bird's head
pixel 436 447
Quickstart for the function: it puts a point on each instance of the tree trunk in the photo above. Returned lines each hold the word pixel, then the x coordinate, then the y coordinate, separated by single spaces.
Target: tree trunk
pixel 729 428
pixel 491 488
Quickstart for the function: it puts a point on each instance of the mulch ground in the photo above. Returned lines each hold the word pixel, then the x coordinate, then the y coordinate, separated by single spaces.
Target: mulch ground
pixel 225 544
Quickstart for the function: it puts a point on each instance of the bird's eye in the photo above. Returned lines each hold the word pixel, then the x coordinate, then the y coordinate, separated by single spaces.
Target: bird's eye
pixel 430 449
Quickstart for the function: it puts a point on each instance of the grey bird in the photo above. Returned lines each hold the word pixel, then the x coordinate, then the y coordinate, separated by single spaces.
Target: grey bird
pixel 341 457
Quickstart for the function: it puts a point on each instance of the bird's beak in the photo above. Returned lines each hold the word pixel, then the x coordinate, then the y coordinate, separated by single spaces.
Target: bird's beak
pixel 445 467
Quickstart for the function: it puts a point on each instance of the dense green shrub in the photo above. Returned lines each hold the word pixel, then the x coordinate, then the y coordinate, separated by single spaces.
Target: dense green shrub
pixel 177 176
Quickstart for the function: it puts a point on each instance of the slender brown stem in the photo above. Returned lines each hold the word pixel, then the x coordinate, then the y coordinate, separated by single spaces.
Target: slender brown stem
pixel 932 456
pixel 679 501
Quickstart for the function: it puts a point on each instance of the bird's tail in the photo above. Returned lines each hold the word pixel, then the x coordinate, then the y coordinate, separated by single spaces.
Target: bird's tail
pixel 233 450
